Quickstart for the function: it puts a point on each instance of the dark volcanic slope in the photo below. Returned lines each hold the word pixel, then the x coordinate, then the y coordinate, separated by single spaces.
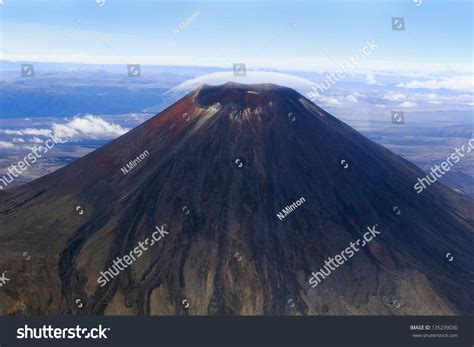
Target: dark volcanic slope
pixel 227 252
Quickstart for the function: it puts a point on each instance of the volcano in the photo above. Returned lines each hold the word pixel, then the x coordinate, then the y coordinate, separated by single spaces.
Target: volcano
pixel 255 187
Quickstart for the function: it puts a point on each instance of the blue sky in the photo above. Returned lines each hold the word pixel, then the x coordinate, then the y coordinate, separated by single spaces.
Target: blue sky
pixel 271 34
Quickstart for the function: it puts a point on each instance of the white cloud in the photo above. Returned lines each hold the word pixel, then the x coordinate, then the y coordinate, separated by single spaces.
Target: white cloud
pixel 463 83
pixel 252 77
pixel 431 98
pixel 370 79
pixel 394 96
pixel 339 100
pixel 27 131
pixel 437 99
pixel 329 100
pixel 407 104
pixel 87 127
pixel 4 144
pixel 36 140
pixel 352 98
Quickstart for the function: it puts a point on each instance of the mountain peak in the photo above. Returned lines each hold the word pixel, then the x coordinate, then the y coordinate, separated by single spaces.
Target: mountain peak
pixel 223 168
pixel 243 94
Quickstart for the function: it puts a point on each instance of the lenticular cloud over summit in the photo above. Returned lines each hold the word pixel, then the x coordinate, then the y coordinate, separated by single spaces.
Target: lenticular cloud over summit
pixel 251 77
